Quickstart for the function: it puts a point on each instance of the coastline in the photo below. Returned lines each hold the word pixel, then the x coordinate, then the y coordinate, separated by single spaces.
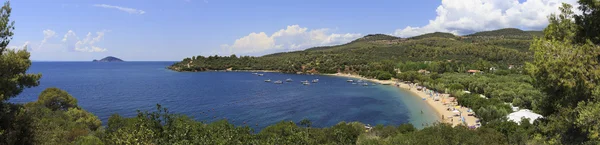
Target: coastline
pixel 438 106
pixel 262 71
pixel 444 115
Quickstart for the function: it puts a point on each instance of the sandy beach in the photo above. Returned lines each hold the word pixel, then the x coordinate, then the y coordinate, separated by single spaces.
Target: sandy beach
pixel 444 110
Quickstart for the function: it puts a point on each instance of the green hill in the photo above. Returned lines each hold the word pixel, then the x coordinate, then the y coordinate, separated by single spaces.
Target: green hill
pixel 436 34
pixel 375 37
pixel 365 53
pixel 507 33
pixel 536 33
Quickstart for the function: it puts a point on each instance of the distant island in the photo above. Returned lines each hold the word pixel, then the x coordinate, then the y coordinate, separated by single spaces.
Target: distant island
pixel 109 59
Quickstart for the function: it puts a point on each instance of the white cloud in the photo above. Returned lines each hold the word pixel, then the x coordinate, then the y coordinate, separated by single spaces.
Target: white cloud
pixel 124 9
pixel 24 46
pixel 466 16
pixel 47 35
pixel 293 37
pixel 88 44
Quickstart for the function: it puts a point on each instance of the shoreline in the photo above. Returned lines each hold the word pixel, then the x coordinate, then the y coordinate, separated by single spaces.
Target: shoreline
pixel 262 71
pixel 439 108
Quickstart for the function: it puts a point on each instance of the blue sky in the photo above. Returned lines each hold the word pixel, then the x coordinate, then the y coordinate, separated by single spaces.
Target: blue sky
pixel 143 30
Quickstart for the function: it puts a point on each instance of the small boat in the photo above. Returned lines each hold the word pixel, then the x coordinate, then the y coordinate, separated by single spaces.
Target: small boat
pixel 306 83
pixel 278 82
pixel 269 80
pixel 365 84
pixel 359 81
pixel 315 80
pixel 261 74
pixel 255 73
pixel 289 80
pixel 349 80
pixel 354 83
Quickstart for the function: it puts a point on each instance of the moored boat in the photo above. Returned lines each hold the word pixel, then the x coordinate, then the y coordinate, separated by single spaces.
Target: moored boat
pixel 261 74
pixel 269 80
pixel 365 84
pixel 289 80
pixel 306 83
pixel 349 80
pixel 278 82
pixel 315 80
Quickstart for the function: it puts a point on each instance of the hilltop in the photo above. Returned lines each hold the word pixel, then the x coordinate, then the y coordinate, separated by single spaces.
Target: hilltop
pixel 512 33
pixel 435 34
pixel 376 37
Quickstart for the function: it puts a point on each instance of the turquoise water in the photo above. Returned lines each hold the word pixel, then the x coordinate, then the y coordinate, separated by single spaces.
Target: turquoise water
pixel 108 88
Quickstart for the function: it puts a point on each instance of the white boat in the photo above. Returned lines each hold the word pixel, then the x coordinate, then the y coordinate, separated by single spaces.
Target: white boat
pixel 261 74
pixel 349 80
pixel 359 81
pixel 354 83
pixel 306 83
pixel 278 82
pixel 315 80
pixel 269 80
pixel 289 80
pixel 365 84
pixel 255 73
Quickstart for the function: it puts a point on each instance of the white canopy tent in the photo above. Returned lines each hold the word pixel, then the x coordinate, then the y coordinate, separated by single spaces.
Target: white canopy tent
pixel 524 113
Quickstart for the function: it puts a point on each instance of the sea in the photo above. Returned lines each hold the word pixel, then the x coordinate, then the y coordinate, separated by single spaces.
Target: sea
pixel 243 98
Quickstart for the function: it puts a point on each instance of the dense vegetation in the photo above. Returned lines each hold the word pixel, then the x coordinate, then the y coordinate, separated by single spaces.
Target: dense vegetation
pixel 506 33
pixel 435 34
pixel 364 57
pixel 559 80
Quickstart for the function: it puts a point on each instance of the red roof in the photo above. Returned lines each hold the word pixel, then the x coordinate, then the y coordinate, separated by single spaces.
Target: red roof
pixel 473 71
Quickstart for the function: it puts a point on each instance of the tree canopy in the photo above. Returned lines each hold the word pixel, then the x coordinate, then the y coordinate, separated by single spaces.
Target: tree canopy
pixel 565 67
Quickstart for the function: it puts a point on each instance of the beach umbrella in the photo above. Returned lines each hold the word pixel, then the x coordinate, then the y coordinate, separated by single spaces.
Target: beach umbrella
pixel 525 113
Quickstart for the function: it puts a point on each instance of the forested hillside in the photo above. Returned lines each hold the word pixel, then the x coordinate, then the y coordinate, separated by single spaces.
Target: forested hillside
pixel 373 52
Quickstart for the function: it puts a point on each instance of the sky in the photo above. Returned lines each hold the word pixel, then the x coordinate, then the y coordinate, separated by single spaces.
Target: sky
pixel 170 30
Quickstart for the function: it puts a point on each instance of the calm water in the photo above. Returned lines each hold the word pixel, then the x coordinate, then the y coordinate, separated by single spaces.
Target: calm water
pixel 108 88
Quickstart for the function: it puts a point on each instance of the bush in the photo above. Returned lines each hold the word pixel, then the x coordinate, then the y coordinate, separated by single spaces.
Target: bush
pixel 384 76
